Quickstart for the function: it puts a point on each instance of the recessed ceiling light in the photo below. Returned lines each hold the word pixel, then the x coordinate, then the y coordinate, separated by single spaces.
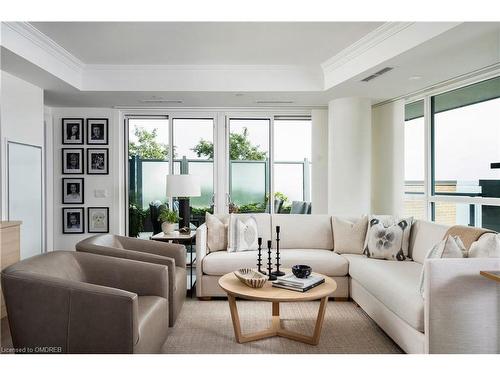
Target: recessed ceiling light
pixel 415 78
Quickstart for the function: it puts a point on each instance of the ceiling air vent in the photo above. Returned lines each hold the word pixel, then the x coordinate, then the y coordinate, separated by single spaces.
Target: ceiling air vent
pixel 377 74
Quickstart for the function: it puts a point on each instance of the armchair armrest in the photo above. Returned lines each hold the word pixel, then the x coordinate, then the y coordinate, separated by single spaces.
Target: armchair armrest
pixel 81 318
pixel 138 277
pixel 461 306
pixel 170 250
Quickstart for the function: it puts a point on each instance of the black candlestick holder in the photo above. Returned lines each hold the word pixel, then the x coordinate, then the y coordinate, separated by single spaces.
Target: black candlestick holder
pixel 269 263
pixel 259 259
pixel 278 264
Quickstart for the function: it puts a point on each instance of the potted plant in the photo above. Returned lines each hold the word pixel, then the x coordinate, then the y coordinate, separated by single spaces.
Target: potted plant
pixel 168 219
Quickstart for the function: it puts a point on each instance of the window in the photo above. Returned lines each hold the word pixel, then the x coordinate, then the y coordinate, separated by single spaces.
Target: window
pixel 251 143
pixel 414 203
pixel 194 154
pixel 466 144
pixel 464 151
pixel 249 165
pixel 292 163
pixel 148 166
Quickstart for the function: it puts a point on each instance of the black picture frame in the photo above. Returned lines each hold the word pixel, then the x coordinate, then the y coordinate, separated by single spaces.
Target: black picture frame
pixel 92 218
pixel 101 138
pixel 64 191
pixel 65 163
pixel 66 123
pixel 91 161
pixel 79 216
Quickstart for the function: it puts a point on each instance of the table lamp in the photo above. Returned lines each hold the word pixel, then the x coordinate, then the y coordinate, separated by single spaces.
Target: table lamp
pixel 183 186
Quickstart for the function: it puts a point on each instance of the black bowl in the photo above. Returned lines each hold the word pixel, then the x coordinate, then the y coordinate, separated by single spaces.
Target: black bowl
pixel 301 271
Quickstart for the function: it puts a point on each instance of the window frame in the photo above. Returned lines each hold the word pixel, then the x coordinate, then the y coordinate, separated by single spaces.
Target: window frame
pixel 430 197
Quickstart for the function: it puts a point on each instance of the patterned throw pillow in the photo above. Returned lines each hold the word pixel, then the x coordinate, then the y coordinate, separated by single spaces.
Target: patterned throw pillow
pixel 243 234
pixel 388 238
pixel 216 232
pixel 451 247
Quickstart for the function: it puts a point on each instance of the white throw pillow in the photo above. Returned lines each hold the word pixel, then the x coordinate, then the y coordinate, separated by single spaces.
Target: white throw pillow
pixel 216 232
pixel 243 234
pixel 451 247
pixel 387 237
pixel 349 236
pixel 487 246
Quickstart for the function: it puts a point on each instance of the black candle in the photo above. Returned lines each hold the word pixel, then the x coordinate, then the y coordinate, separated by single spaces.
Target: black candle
pixel 277 228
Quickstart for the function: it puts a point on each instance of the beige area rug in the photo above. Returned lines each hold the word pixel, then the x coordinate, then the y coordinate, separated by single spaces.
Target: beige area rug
pixel 205 327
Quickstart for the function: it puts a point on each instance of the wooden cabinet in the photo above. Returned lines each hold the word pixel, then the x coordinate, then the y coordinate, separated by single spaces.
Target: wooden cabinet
pixel 9 249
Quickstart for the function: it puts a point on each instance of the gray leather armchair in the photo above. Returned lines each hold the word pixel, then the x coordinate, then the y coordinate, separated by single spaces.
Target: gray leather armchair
pixel 70 302
pixel 171 255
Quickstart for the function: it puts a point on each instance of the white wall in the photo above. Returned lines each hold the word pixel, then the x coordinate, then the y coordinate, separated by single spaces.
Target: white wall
pixel 21 119
pixel 319 170
pixel 349 156
pixel 112 183
pixel 388 158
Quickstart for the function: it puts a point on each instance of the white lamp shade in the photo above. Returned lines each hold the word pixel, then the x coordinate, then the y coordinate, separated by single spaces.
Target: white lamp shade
pixel 183 185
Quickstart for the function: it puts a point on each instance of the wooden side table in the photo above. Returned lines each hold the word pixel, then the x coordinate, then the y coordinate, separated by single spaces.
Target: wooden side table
pixel 186 239
pixel 492 275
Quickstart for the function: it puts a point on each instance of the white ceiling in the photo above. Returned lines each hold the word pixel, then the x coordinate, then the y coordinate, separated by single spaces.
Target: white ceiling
pixel 205 43
pixel 462 49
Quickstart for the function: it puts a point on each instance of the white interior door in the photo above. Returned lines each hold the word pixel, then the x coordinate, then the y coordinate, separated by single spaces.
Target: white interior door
pixel 25 195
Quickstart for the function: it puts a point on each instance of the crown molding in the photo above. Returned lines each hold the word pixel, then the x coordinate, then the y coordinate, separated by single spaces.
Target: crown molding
pixel 369 41
pixel 33 35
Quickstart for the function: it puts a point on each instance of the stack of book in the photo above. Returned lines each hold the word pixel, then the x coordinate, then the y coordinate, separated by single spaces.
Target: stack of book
pixel 289 281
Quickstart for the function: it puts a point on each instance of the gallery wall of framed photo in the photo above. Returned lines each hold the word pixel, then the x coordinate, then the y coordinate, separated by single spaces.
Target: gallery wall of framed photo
pixel 83 175
pixel 73 163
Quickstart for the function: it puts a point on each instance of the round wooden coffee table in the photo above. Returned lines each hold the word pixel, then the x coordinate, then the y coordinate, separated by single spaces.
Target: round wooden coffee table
pixel 235 288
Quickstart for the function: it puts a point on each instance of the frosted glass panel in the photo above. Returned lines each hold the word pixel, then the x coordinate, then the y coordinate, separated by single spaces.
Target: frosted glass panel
pixel 289 179
pixel 248 183
pixel 154 181
pixel 25 195
pixel 205 170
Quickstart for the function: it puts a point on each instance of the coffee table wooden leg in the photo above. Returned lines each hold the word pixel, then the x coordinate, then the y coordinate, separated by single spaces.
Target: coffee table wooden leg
pixel 240 338
pixel 311 340
pixel 276 329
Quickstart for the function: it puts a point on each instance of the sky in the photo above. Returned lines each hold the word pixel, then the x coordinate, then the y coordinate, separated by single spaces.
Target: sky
pixel 467 140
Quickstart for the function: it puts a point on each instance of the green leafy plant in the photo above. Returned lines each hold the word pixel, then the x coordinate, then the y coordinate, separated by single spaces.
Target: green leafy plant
pixel 147 146
pixel 240 148
pixel 168 216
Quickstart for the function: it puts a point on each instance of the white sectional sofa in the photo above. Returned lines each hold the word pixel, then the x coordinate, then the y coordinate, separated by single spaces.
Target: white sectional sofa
pixel 459 314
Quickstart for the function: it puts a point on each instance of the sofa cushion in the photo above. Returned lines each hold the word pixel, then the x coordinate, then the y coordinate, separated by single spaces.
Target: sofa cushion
pixel 424 235
pixel 323 261
pixel 395 284
pixel 303 231
pixel 349 235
